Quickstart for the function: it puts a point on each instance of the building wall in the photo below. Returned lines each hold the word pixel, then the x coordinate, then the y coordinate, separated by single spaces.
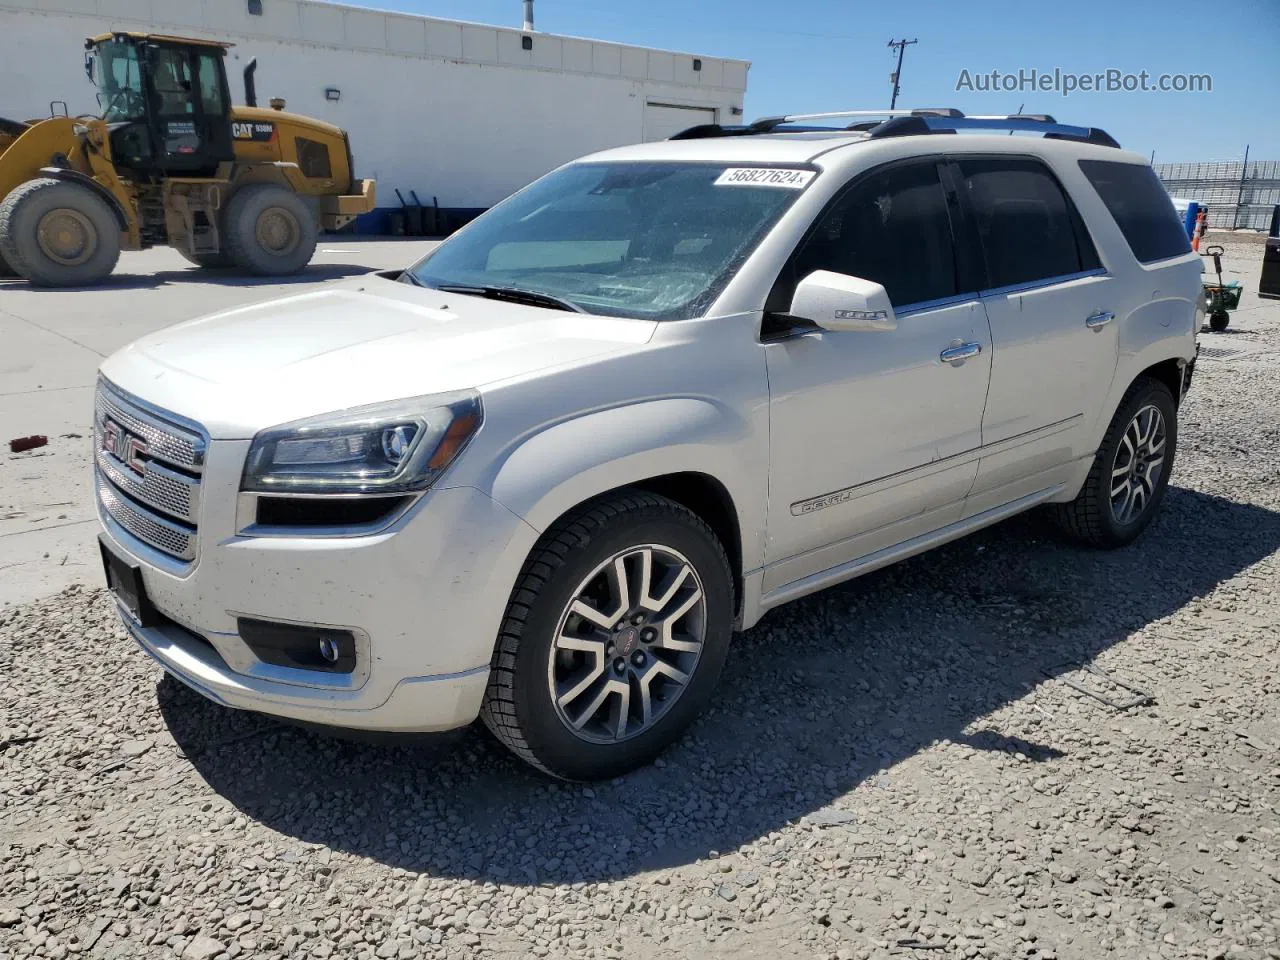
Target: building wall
pixel 452 110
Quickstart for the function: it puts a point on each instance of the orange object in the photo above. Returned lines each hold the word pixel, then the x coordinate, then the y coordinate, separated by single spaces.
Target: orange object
pixel 1202 221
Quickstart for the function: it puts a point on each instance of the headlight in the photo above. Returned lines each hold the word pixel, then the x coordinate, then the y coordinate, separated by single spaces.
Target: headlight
pixel 399 447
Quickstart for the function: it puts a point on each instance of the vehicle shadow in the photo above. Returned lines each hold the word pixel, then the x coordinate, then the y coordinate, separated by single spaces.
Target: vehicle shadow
pixel 820 696
pixel 315 273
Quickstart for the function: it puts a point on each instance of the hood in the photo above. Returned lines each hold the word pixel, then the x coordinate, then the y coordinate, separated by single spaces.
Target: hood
pixel 361 342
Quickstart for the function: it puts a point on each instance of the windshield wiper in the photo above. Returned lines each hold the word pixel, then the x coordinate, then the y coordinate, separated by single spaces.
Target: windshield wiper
pixel 513 295
pixel 408 277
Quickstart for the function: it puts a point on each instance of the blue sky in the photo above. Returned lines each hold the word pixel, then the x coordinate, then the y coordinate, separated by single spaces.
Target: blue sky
pixel 814 55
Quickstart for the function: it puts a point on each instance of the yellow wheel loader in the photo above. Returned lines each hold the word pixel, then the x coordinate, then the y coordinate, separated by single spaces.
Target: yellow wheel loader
pixel 170 162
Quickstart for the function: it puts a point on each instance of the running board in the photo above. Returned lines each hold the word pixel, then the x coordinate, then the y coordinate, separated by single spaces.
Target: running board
pixel 908 548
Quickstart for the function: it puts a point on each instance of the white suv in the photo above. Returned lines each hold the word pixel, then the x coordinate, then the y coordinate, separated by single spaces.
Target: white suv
pixel 546 473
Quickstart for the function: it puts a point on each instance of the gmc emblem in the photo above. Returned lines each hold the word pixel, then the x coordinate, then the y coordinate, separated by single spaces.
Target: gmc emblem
pixel 125 447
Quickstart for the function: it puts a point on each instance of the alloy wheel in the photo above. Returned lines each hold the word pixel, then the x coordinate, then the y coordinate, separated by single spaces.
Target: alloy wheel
pixel 1138 464
pixel 627 644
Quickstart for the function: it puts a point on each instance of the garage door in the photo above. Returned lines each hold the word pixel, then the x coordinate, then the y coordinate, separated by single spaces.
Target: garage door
pixel 661 120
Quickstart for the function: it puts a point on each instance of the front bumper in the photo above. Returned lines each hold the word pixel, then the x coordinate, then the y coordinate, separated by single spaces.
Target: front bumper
pixel 424 597
pixel 416 704
pixel 338 210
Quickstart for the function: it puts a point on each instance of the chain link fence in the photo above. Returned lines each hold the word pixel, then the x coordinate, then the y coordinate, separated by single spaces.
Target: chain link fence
pixel 1239 194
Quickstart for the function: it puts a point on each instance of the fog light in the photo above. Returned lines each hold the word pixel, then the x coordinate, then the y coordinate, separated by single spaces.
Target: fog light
pixel 300 647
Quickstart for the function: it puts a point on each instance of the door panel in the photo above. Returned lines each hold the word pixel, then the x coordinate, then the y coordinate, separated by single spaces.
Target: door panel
pixel 189 112
pixel 1047 364
pixel 868 429
pixel 1052 311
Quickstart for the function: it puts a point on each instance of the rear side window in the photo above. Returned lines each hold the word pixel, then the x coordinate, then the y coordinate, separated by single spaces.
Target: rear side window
pixel 1029 228
pixel 1140 207
pixel 211 85
pixel 891 227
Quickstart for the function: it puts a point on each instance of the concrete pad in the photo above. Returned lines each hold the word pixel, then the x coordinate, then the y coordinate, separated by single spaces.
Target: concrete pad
pixel 51 343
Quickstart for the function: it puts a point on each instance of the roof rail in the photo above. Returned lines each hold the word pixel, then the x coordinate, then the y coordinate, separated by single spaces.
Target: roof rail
pixel 903 123
pixel 1025 123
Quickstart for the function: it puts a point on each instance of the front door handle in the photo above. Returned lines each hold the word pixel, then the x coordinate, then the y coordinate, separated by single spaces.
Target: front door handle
pixel 1099 320
pixel 960 352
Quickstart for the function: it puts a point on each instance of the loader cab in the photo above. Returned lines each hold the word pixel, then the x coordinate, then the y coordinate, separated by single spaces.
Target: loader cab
pixel 165 100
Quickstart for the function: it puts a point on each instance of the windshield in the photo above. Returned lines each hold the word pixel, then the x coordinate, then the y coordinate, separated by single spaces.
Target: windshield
pixel 655 241
pixel 119 80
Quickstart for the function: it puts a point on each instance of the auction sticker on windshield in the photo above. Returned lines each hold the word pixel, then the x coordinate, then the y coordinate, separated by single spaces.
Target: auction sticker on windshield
pixel 765 177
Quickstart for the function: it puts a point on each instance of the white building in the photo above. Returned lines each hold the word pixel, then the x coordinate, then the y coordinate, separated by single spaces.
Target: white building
pixel 459 111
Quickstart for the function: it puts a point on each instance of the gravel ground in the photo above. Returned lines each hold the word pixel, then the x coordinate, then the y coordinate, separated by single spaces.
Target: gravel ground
pixel 901 766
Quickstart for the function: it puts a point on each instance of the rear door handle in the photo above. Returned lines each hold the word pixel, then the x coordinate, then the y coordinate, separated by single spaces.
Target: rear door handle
pixel 960 352
pixel 1099 320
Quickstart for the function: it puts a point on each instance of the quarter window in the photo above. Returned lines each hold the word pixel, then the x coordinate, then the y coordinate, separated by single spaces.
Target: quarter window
pixel 1140 207
pixel 891 227
pixel 1028 227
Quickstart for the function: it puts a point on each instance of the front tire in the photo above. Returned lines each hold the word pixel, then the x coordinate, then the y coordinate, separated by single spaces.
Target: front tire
pixel 1130 471
pixel 269 231
pixel 613 639
pixel 58 234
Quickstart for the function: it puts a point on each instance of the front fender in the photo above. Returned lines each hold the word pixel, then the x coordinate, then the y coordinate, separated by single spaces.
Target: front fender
pixel 548 473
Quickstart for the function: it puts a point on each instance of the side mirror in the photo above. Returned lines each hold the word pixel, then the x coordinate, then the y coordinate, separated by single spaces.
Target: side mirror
pixel 836 301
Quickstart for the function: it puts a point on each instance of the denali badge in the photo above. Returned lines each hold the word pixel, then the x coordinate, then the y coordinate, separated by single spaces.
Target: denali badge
pixel 125 447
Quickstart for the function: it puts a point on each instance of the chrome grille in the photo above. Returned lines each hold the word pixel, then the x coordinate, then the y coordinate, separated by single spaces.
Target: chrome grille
pixel 173 539
pixel 165 441
pixel 148 472
pixel 166 490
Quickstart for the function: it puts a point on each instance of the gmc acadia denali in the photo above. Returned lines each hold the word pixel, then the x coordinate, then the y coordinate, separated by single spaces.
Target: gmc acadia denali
pixel 543 475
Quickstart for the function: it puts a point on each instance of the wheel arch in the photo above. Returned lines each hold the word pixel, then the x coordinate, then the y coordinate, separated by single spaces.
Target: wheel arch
pixel 686 449
pixel 75 176
pixel 1171 373
pixel 708 499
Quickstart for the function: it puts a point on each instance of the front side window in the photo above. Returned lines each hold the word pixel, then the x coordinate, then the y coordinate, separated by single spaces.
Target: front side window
pixel 656 241
pixel 118 76
pixel 892 227
pixel 1029 229
pixel 1140 207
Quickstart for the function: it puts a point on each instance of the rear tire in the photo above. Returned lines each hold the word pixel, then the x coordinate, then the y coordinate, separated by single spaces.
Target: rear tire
pixel 58 234
pixel 269 231
pixel 6 272
pixel 585 699
pixel 1130 471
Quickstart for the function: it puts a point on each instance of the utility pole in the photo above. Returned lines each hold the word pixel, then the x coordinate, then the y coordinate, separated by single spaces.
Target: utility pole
pixel 901 47
pixel 1244 172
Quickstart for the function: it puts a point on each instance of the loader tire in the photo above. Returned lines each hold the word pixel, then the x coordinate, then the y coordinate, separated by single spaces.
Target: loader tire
pixel 58 234
pixel 6 272
pixel 269 231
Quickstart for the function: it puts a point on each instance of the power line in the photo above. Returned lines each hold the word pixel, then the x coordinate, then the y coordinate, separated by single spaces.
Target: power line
pixel 901 46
